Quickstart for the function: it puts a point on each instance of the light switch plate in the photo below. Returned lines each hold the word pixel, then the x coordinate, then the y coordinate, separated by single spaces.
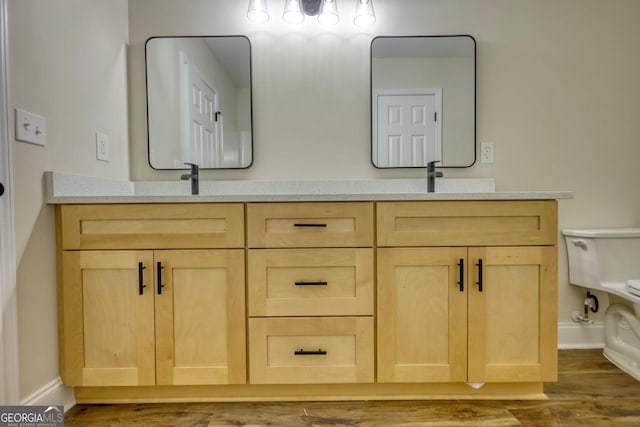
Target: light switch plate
pixel 102 146
pixel 30 127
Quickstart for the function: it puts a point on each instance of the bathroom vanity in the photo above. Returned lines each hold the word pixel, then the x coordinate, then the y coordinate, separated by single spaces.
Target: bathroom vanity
pixel 312 296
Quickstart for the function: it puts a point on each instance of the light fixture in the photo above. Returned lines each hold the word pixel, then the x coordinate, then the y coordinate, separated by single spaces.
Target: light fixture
pixel 329 13
pixel 258 11
pixel 292 13
pixel 326 11
pixel 364 14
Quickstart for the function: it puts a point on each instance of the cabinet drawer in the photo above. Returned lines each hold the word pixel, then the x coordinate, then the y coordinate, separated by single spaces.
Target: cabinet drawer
pixel 311 350
pixel 467 223
pixel 310 282
pixel 157 226
pixel 299 225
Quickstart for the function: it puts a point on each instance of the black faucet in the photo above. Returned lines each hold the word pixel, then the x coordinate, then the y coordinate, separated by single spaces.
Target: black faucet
pixel 432 175
pixel 194 177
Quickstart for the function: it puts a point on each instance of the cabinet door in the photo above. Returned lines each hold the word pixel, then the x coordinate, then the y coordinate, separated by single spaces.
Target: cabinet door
pixel 513 320
pixel 200 317
pixel 107 319
pixel 422 315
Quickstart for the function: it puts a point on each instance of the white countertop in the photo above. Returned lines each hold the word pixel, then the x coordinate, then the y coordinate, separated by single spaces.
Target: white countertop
pixel 64 188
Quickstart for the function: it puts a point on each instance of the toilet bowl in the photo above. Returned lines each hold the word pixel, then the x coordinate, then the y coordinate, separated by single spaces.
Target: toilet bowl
pixel 608 260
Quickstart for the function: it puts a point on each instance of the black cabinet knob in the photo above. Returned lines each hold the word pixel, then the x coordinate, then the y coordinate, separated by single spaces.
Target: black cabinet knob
pixel 1 189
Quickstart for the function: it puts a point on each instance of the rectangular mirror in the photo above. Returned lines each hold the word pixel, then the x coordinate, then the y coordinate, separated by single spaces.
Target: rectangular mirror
pixel 199 107
pixel 423 99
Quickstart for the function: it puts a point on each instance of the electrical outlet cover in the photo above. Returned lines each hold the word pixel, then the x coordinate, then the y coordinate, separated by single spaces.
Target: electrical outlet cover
pixel 486 152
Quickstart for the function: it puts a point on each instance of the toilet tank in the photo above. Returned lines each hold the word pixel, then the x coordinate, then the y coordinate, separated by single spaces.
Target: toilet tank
pixel 598 256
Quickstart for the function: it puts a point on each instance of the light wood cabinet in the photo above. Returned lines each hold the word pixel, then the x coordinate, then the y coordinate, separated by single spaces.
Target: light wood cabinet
pixel 513 320
pixel 107 323
pixel 436 325
pixel 151 226
pixel 467 223
pixel 422 315
pixel 200 324
pixel 311 350
pixel 314 300
pixel 310 282
pixel 318 262
pixel 472 314
pixel 151 317
pixel 310 225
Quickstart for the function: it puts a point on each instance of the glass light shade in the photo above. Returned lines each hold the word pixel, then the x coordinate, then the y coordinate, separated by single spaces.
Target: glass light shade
pixel 292 13
pixel 258 11
pixel 364 14
pixel 329 13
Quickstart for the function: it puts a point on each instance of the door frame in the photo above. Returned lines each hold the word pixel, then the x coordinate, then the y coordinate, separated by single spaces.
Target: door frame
pixel 9 383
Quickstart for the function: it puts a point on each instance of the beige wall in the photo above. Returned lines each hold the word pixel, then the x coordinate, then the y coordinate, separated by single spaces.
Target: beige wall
pixel 67 62
pixel 558 94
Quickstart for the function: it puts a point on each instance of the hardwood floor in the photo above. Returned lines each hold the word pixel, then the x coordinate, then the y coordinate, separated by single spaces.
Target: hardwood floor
pixel 590 392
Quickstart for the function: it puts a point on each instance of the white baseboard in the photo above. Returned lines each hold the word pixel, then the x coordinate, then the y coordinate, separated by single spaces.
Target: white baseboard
pixel 53 393
pixel 573 335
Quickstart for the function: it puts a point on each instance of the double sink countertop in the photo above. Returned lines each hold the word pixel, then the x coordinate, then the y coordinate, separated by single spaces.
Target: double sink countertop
pixel 64 188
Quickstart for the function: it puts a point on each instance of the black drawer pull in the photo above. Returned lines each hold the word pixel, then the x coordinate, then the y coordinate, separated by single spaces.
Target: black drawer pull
pixel 479 282
pixel 159 274
pixel 309 225
pixel 311 283
pixel 302 352
pixel 461 282
pixel 141 284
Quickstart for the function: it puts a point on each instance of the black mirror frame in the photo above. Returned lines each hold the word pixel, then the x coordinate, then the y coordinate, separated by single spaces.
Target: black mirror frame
pixel 475 102
pixel 146 85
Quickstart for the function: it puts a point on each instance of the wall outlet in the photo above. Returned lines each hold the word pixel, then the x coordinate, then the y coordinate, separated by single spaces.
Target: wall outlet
pixel 30 127
pixel 102 146
pixel 486 152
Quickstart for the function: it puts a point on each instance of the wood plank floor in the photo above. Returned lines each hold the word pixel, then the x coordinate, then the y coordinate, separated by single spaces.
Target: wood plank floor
pixel 590 392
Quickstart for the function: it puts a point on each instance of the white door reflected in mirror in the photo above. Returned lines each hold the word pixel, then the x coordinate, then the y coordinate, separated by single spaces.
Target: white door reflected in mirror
pixel 406 129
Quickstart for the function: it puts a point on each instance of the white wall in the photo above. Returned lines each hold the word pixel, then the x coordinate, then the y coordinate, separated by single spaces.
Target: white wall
pixel 67 62
pixel 558 94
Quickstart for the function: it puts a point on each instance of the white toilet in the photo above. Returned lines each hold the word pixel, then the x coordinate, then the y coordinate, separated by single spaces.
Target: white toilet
pixel 609 260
